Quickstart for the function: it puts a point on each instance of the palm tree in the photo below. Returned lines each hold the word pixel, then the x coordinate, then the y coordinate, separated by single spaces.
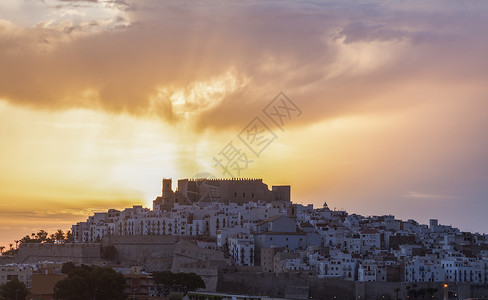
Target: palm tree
pixel 59 235
pixel 396 291
pixel 25 239
pixel 431 291
pixel 42 235
pixel 421 293
pixel 69 236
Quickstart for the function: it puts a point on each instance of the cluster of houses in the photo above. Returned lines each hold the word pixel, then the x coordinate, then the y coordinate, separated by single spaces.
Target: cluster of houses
pixel 265 231
pixel 40 280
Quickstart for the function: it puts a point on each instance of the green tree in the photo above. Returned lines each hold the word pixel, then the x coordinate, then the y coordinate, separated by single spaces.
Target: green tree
pixel 69 236
pixel 59 235
pixel 415 293
pixel 11 251
pixel 175 296
pixel 421 293
pixel 431 291
pixel 26 239
pixel 164 278
pixel 41 235
pixel 86 282
pixel 50 239
pixel 189 281
pixel 14 290
pixel 68 267
pixel 397 290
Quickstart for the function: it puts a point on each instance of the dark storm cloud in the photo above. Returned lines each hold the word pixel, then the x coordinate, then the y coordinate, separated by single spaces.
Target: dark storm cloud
pixel 285 46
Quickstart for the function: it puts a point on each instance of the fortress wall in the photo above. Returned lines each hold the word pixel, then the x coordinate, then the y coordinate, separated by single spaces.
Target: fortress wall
pixel 273 285
pixel 241 191
pixel 209 276
pixel 4 260
pixel 378 290
pixel 233 190
pixel 158 253
pixel 479 291
pixel 142 248
pixel 77 253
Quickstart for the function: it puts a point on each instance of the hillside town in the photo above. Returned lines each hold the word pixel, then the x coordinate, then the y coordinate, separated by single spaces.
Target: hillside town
pixel 281 236
pixel 207 226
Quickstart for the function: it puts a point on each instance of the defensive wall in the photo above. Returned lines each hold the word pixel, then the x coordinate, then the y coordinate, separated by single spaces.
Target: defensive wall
pixel 150 252
pixel 275 285
pixel 78 253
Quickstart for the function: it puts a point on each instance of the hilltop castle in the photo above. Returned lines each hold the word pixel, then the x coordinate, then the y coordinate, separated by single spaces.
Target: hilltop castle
pixel 236 190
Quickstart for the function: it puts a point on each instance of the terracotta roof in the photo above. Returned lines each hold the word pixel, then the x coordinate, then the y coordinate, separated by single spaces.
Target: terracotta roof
pixel 288 255
pixel 282 233
pixel 307 225
pixel 273 218
pixel 369 231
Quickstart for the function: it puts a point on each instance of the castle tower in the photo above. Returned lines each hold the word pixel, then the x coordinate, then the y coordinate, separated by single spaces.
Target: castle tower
pixel 167 190
pixel 291 211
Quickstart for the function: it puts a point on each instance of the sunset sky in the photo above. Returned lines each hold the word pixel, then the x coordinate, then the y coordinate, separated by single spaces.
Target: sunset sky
pixel 99 100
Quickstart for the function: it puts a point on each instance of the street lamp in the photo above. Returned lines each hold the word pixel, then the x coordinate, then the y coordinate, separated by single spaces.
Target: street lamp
pixel 445 291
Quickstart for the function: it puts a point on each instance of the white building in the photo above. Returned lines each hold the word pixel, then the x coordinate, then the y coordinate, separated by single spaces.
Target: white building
pixel 370 240
pixel 424 269
pixel 296 264
pixel 224 233
pixel 367 270
pixel 22 273
pixel 465 270
pixel 338 265
pixel 241 248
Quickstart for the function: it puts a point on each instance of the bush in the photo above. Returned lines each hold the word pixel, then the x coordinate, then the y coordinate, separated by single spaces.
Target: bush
pixel 13 290
pixel 175 296
pixel 86 282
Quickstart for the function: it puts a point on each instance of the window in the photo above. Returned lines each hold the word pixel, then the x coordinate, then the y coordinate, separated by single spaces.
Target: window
pixel 11 277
